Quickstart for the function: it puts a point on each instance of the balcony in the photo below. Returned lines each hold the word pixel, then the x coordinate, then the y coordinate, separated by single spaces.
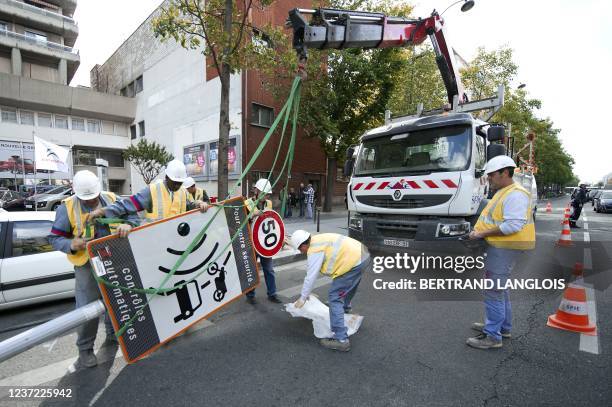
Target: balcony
pixel 39 18
pixel 49 51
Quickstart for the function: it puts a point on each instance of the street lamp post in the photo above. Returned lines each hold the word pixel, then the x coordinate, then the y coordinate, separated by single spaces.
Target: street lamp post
pixel 467 5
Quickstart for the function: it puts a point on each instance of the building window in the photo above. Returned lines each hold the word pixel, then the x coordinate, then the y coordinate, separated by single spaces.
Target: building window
pixel 9 115
pixel 133 131
pixel 3 26
pixel 45 120
pixel 35 36
pixel 123 91
pixel 138 84
pixel 61 122
pixel 78 124
pixel 260 41
pixel 88 157
pixel 141 128
pixel 130 90
pixel 262 115
pixel 93 126
pixel 116 185
pixel 26 117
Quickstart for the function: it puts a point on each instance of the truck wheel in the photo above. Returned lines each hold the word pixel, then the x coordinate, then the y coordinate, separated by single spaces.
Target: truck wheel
pixel 55 206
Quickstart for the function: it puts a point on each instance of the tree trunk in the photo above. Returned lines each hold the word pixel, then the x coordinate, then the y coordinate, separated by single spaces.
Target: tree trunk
pixel 224 129
pixel 329 184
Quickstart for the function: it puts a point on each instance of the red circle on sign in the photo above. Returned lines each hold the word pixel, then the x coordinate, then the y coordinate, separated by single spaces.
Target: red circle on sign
pixel 268 233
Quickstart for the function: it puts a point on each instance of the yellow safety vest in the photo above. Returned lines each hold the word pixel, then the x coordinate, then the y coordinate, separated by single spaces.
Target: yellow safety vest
pixel 199 194
pixel 342 253
pixel 493 215
pixel 77 220
pixel 162 206
pixel 250 204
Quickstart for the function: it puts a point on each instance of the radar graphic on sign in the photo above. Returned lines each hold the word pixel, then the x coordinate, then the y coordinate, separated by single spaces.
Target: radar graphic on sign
pixel 211 276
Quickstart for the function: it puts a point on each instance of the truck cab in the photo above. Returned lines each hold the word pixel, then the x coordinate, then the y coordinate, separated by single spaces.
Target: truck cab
pixel 418 182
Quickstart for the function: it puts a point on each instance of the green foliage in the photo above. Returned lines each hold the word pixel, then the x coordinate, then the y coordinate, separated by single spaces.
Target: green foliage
pixel 199 25
pixel 148 158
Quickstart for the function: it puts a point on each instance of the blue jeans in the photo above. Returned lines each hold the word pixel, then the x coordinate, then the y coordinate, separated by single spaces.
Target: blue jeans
pixel 498 310
pixel 309 210
pixel 288 210
pixel 340 295
pixel 86 291
pixel 268 271
pixel 301 208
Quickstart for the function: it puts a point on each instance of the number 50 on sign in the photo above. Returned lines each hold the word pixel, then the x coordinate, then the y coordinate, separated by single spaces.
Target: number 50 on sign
pixel 268 233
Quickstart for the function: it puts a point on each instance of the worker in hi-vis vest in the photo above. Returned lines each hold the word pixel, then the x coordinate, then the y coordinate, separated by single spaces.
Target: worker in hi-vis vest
pixel 506 224
pixel 159 200
pixel 197 194
pixel 343 259
pixel 69 234
pixel 254 206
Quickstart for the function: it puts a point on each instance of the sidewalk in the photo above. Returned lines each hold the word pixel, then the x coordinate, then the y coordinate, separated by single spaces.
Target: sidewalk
pixel 330 222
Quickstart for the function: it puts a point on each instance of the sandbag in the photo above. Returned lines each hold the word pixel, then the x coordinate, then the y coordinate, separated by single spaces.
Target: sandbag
pixel 318 312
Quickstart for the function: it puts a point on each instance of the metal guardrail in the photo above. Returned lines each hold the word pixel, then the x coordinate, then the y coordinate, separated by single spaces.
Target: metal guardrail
pixel 46 44
pixel 34 9
pixel 49 330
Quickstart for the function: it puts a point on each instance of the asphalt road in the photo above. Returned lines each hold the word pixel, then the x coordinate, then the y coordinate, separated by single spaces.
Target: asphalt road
pixel 410 350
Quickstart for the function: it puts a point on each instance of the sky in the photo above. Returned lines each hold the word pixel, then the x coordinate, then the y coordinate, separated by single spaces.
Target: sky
pixel 563 49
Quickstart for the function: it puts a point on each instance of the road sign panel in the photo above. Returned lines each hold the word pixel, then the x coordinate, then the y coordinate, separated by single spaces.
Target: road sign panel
pixel 268 233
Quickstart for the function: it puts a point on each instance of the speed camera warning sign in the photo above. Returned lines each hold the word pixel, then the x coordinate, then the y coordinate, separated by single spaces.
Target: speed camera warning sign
pixel 268 233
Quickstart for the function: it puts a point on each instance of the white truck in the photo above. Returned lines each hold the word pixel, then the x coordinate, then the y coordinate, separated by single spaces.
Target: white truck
pixel 417 182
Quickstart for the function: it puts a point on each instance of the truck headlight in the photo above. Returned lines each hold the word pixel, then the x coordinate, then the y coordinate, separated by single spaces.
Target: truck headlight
pixel 355 222
pixel 452 229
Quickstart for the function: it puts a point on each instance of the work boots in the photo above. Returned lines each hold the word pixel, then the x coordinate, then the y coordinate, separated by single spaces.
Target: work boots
pixel 87 358
pixel 335 344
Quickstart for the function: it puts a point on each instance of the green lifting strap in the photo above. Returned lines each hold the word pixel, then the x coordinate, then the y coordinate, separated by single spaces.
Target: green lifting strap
pixel 289 111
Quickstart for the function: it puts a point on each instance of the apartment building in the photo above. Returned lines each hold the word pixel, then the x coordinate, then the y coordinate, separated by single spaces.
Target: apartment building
pixel 177 105
pixel 37 62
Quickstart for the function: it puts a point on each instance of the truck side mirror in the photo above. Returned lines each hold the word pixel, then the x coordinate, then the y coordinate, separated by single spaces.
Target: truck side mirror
pixel 349 153
pixel 495 133
pixel 493 150
pixel 348 167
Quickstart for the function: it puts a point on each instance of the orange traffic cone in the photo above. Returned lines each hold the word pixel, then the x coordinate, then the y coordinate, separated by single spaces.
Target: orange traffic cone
pixel 572 313
pixel 565 239
pixel 578 270
pixel 566 215
pixel 548 207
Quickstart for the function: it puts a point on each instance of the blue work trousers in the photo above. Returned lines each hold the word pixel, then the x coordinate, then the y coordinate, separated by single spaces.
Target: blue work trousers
pixel 269 276
pixel 498 310
pixel 340 295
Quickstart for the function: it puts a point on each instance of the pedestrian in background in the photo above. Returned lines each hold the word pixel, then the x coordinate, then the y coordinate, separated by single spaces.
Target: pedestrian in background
pixel 506 224
pixel 301 199
pixel 579 198
pixel 309 194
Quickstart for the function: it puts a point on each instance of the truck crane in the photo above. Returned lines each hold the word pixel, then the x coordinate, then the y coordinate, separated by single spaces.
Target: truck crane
pixel 417 182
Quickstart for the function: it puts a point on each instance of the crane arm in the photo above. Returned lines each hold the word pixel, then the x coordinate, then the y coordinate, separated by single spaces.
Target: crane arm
pixel 340 29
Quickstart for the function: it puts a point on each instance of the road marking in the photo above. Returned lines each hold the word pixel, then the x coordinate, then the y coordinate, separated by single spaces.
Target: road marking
pixel 587 238
pixel 57 370
pixel 589 343
pixel 588 260
pixel 293 291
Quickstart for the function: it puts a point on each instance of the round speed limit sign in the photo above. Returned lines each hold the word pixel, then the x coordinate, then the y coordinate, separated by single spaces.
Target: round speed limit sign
pixel 268 233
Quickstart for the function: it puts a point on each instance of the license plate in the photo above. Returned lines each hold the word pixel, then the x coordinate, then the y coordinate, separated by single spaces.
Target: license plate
pixel 28 206
pixel 396 243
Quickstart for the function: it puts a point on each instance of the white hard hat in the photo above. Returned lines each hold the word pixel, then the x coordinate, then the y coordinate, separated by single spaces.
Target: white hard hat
pixel 188 183
pixel 299 237
pixel 86 185
pixel 263 185
pixel 499 162
pixel 176 171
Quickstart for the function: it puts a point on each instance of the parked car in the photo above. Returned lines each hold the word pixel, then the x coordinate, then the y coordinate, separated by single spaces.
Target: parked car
pixel 595 197
pixel 49 201
pixel 11 200
pixel 604 202
pixel 30 270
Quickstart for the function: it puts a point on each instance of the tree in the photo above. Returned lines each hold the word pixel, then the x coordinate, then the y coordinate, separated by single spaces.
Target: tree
pixel 223 34
pixel 148 158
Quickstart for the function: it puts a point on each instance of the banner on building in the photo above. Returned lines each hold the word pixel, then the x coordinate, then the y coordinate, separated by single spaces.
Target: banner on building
pixel 146 257
pixel 17 162
pixel 49 156
pixel 201 159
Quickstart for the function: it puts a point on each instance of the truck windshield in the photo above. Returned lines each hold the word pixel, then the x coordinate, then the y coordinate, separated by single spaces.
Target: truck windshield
pixel 418 152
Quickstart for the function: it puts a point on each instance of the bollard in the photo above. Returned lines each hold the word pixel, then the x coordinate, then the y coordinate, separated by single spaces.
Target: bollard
pixel 49 330
pixel 318 218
